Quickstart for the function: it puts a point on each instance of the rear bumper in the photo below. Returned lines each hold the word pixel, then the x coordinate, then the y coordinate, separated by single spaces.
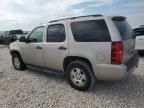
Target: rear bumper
pixel 111 72
pixel 116 72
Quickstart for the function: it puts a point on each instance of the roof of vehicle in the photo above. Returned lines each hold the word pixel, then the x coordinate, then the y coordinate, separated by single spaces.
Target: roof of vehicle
pixel 139 29
pixel 97 15
pixel 16 30
pixel 141 26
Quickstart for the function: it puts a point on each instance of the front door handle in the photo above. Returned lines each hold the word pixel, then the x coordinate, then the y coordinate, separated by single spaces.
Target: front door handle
pixel 39 47
pixel 62 48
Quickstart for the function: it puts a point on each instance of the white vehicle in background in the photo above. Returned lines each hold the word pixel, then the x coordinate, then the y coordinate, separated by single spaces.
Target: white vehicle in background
pixel 139 32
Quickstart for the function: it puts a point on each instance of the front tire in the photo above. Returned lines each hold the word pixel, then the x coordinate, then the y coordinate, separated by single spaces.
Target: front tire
pixel 80 75
pixel 17 62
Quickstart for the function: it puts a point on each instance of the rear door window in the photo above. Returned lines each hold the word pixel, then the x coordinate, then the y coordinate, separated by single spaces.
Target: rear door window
pixel 124 29
pixel 56 33
pixel 90 31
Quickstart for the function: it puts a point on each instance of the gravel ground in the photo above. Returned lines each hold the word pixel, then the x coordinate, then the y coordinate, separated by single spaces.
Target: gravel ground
pixel 34 89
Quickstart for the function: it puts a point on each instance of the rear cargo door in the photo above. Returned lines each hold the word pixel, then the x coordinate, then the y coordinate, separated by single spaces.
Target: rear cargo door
pixel 127 37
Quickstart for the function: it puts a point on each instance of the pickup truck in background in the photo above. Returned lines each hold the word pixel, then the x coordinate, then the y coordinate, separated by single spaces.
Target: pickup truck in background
pixel 11 36
pixel 139 32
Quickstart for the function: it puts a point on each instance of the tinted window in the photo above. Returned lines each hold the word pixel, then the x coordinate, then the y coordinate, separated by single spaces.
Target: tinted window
pixel 90 31
pixel 13 32
pixel 56 33
pixel 6 34
pixel 139 31
pixel 124 29
pixel 37 34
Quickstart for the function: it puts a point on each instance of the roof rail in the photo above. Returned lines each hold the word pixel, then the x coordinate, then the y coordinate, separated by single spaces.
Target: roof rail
pixel 98 15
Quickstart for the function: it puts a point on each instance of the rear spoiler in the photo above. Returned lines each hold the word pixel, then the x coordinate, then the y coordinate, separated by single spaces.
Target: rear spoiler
pixel 118 18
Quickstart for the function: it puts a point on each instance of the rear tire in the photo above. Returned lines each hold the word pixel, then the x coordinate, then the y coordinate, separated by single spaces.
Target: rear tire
pixel 80 75
pixel 18 62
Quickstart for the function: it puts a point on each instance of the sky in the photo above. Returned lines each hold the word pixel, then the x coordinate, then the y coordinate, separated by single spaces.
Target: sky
pixel 27 14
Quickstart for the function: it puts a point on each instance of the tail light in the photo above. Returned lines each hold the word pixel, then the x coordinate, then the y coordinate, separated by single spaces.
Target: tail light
pixel 116 53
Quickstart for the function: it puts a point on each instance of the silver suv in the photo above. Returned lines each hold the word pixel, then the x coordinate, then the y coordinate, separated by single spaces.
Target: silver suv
pixel 86 48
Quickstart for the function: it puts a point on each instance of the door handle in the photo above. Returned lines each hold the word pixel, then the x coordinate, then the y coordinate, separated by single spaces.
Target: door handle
pixel 62 48
pixel 39 47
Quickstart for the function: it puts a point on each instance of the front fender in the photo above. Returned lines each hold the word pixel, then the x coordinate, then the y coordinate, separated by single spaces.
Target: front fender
pixel 15 47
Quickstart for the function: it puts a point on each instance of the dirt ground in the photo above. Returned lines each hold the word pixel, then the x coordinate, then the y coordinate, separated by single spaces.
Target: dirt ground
pixel 35 89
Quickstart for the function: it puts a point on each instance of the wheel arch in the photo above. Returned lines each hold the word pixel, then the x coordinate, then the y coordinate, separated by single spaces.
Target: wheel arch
pixel 14 51
pixel 70 59
pixel 23 66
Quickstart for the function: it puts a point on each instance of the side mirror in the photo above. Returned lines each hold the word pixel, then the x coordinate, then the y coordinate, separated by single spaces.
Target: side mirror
pixel 32 40
pixel 23 39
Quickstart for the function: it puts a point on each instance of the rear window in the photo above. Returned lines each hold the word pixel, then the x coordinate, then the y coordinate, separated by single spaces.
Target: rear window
pixel 124 28
pixel 90 31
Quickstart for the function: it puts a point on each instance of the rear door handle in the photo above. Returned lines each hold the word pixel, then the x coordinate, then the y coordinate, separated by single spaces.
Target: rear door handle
pixel 39 47
pixel 62 48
